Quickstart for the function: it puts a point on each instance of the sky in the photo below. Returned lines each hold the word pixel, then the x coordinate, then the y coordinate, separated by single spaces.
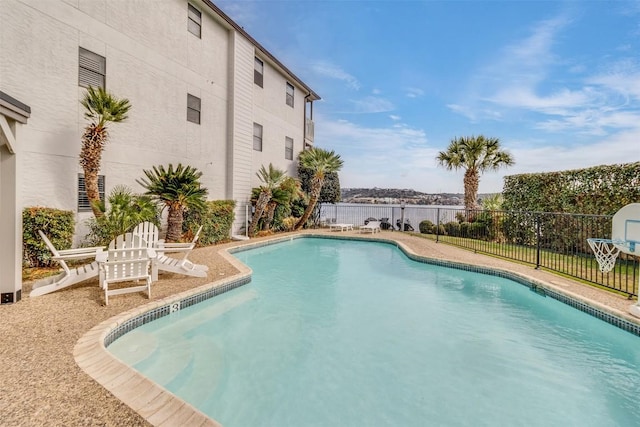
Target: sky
pixel 557 82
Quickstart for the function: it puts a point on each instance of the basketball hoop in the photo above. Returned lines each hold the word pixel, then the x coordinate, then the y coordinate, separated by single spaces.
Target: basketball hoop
pixel 606 252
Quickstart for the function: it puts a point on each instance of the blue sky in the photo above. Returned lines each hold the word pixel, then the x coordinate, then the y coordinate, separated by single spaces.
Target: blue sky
pixel 557 82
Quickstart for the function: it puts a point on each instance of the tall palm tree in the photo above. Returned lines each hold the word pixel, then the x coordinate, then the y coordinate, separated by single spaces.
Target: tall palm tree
pixel 270 179
pixel 101 108
pixel 179 189
pixel 320 162
pixel 475 155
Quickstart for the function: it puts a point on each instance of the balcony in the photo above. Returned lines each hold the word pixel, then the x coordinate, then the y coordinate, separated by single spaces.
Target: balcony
pixel 308 131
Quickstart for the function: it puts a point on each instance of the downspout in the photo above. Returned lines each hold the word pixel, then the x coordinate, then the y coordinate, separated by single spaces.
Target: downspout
pixel 304 124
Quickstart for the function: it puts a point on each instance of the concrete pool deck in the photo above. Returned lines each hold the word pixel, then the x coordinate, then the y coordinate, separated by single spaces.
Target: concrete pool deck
pixel 41 383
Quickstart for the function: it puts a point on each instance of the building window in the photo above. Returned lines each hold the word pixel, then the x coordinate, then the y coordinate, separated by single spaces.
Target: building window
pixel 288 148
pixel 92 70
pixel 290 91
pixel 194 23
pixel 258 72
pixel 83 201
pixel 193 109
pixel 257 137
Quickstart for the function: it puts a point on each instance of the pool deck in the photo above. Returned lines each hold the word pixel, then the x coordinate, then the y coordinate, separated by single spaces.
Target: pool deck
pixel 45 339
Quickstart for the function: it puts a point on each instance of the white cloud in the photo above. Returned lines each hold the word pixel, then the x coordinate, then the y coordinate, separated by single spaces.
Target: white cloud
pixel 475 114
pixel 400 156
pixel 560 102
pixel 414 92
pixel 518 84
pixel 394 117
pixel 372 104
pixel 333 71
pixel 622 77
pixel 395 157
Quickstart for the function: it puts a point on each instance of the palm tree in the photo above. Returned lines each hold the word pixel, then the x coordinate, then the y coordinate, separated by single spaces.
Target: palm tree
pixel 179 189
pixel 288 191
pixel 475 155
pixel 271 179
pixel 101 108
pixel 126 210
pixel 320 162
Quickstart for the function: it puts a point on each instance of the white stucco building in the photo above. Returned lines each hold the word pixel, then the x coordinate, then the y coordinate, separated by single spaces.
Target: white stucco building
pixel 203 93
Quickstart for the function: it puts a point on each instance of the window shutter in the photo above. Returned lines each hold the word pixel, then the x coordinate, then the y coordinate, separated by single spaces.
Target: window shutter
pixel 92 69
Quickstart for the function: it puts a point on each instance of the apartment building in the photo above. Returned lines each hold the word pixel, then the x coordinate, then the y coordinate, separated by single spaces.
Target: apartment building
pixel 203 93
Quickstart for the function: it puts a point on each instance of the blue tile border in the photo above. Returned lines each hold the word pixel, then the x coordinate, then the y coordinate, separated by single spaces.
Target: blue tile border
pixel 535 286
pixel 169 308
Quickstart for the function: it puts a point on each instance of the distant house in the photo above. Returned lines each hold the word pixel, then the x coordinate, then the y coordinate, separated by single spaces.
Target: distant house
pixel 203 92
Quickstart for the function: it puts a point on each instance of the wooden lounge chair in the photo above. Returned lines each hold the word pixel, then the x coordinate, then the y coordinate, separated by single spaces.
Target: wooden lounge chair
pixel 125 265
pixel 170 264
pixel 68 276
pixel 371 226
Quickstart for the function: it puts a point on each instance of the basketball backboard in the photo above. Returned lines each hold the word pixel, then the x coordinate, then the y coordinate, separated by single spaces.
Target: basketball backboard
pixel 625 229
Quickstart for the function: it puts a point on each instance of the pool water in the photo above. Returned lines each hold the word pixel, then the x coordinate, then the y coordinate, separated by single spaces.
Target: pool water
pixel 348 333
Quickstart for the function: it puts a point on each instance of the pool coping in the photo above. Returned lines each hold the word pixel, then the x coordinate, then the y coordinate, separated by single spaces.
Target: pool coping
pixel 162 408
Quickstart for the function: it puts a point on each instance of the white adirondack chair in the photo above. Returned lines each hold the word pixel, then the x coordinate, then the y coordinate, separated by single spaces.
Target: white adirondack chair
pixel 150 233
pixel 68 276
pixel 127 260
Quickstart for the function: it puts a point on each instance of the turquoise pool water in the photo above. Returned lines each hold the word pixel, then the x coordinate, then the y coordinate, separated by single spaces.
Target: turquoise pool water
pixel 345 333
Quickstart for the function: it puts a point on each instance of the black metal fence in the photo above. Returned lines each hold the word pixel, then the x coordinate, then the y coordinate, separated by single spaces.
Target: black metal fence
pixel 553 241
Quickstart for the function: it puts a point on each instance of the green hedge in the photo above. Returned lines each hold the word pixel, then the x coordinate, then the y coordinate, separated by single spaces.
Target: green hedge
pixel 426 227
pixel 216 221
pixel 600 190
pixel 58 225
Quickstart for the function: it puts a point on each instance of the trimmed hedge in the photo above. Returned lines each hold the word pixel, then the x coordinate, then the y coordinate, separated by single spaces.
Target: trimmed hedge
pixel 216 221
pixel 600 190
pixel 426 227
pixel 58 225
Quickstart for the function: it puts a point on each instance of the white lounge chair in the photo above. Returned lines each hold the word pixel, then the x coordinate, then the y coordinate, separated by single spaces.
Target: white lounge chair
pixel 166 263
pixel 68 276
pixel 371 226
pixel 125 265
pixel 341 227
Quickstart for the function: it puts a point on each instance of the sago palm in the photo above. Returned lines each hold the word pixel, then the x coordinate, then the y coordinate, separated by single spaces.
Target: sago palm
pixel 320 162
pixel 475 155
pixel 101 108
pixel 271 178
pixel 178 189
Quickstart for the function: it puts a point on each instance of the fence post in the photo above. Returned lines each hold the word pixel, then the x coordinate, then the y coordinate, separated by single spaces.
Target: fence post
pixel 537 242
pixel 437 224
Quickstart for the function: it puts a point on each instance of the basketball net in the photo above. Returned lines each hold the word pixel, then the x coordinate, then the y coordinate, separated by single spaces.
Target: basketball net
pixel 606 253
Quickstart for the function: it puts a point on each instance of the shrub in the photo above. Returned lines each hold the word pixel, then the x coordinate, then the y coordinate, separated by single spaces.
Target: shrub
pixel 216 220
pixel 57 224
pixel 289 223
pixel 426 227
pixel 465 229
pixel 440 230
pixel 452 228
pixel 126 210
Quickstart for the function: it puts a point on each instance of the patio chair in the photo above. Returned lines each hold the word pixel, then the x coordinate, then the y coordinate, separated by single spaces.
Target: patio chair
pixel 68 276
pixel 128 264
pixel 166 263
pixel 371 226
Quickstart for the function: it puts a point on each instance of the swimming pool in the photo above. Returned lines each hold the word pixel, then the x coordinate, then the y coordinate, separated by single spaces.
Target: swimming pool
pixel 354 333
